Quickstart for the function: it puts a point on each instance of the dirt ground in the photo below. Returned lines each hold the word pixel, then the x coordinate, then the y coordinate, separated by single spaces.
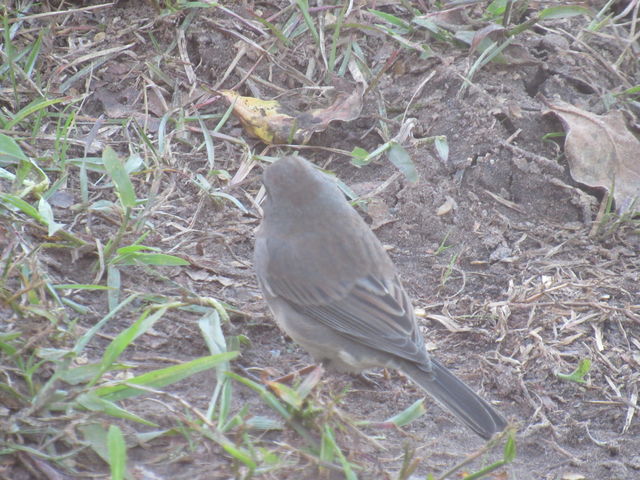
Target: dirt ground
pixel 514 282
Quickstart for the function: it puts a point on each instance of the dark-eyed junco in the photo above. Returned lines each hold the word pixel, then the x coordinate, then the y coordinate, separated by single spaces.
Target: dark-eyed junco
pixel 334 290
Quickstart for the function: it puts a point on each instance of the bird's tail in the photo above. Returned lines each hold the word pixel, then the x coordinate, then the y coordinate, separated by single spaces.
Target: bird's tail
pixel 452 393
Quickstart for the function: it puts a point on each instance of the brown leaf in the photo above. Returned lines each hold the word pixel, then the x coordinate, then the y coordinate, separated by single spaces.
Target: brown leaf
pixel 492 31
pixel 602 152
pixel 345 107
pixel 448 205
pixel 273 123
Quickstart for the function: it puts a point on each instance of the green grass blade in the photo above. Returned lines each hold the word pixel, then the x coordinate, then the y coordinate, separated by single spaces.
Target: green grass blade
pixel 117 452
pixel 163 377
pixel 35 106
pixel 304 8
pixel 10 151
pixel 95 403
pixel 115 169
pixel 129 335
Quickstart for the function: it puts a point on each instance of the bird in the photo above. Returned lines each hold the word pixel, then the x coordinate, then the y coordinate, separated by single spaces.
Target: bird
pixel 334 290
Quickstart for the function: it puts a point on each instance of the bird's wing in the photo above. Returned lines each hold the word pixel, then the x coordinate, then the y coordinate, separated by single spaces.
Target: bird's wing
pixel 360 297
pixel 374 313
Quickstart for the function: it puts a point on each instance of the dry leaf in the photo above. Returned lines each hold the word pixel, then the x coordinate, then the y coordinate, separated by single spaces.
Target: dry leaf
pixel 61 199
pixel 602 152
pixel 573 476
pixel 273 123
pixel 492 31
pixel 378 210
pixel 263 119
pixel 448 323
pixel 448 205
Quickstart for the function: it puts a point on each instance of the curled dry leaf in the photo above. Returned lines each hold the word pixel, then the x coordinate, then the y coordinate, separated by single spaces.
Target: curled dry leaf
pixel 492 31
pixel 263 119
pixel 602 152
pixel 573 476
pixel 273 123
pixel 446 207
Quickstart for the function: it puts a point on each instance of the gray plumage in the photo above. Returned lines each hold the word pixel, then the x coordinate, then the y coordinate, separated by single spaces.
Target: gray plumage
pixel 334 290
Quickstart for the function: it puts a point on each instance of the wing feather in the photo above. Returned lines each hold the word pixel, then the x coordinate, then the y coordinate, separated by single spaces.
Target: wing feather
pixel 373 316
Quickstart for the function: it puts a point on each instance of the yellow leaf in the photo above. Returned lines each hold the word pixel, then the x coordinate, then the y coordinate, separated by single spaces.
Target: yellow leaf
pixel 273 123
pixel 263 119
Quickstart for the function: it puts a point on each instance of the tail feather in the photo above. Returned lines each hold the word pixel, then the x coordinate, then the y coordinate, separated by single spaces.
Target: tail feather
pixel 457 397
